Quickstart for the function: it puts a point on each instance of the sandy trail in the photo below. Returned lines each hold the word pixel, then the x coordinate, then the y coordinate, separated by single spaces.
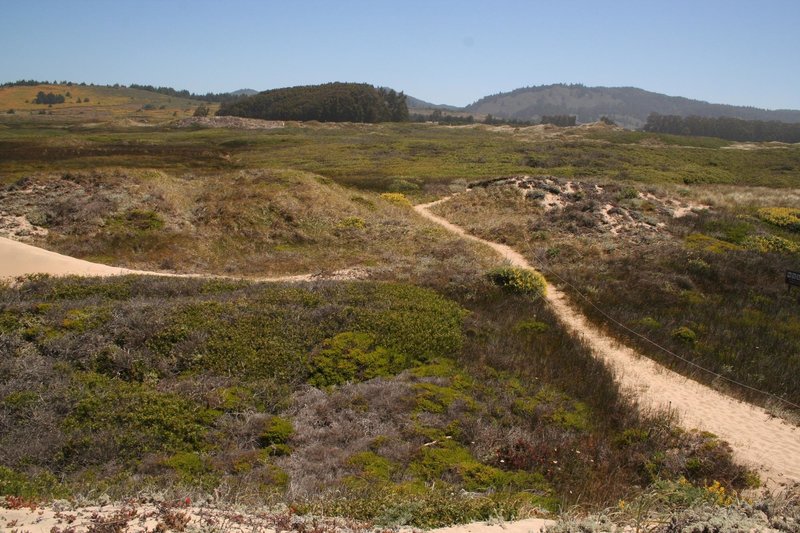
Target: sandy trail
pixel 19 259
pixel 759 440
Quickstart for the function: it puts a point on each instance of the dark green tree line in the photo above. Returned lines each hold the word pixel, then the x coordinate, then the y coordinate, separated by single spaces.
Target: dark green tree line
pixel 732 129
pixel 331 102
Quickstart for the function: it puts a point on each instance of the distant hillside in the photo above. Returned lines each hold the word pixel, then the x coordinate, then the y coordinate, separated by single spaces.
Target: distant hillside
pixel 627 106
pixel 330 102
pixel 90 103
pixel 244 92
pixel 416 103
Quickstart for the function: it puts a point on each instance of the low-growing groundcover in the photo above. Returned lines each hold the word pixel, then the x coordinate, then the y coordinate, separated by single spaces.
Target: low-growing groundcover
pixel 379 401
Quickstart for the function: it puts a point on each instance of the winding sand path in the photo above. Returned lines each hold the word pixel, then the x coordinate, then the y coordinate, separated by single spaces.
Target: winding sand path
pixel 759 440
pixel 20 259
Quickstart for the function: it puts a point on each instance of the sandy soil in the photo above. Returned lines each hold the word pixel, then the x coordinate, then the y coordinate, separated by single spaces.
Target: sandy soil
pixel 19 259
pixel 145 518
pixel 229 122
pixel 759 440
pixel 529 525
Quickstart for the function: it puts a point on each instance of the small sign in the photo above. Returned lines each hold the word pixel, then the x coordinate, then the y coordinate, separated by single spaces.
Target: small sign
pixel 792 278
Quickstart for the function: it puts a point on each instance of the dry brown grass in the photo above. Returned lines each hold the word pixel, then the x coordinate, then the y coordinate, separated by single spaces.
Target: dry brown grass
pixel 105 104
pixel 249 223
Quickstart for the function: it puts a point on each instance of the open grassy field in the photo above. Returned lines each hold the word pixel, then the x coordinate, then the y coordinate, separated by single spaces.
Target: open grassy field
pixel 91 103
pixel 402 157
pixel 425 395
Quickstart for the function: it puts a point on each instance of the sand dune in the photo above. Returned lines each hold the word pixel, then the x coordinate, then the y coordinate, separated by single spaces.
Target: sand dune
pixel 20 259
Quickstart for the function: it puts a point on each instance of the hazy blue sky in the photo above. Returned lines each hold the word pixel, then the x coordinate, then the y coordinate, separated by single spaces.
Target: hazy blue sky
pixel 737 52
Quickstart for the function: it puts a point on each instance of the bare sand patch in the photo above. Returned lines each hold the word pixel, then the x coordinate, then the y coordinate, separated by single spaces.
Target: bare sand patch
pixel 20 259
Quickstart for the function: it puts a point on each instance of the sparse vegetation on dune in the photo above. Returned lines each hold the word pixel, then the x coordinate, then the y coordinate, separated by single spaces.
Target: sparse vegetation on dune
pixel 247 223
pixel 673 507
pixel 707 285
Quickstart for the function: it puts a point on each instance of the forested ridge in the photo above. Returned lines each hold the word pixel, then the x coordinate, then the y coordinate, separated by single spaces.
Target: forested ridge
pixel 330 102
pixel 732 129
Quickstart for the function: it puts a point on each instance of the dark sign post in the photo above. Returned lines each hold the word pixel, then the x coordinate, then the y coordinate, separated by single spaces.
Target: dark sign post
pixel 792 278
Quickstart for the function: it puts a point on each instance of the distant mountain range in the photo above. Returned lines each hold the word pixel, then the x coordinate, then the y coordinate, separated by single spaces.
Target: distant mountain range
pixel 416 103
pixel 627 106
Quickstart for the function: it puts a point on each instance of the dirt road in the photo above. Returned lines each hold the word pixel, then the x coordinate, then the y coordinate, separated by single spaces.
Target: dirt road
pixel 758 439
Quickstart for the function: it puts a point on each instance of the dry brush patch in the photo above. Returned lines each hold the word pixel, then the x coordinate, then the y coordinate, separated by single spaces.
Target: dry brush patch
pixel 251 223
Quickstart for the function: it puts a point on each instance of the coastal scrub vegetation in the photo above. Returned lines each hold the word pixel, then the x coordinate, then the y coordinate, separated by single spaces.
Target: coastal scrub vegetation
pixel 450 407
pixel 431 394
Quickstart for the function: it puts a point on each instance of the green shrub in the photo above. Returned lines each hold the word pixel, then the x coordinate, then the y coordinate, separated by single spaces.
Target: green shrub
pixel 685 334
pixel 434 398
pixel 698 266
pixel 519 280
pixel 783 217
pixel 83 319
pixel 79 288
pixel 401 185
pixel 771 244
pixel 413 504
pixel 628 193
pixel 415 322
pixel 352 222
pixel 192 468
pixel 352 357
pixel 531 327
pixel 20 401
pixel 576 416
pixel 132 419
pixel 551 404
pixel 372 466
pixel 447 459
pixel 135 220
pixel 397 198
pixel 41 485
pixel 274 439
pixel 272 334
pixel 649 323
pixel 698 241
